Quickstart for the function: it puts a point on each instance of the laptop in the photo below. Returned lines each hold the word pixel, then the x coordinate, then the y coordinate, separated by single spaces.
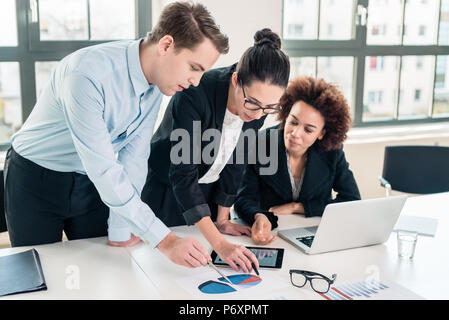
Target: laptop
pixel 346 225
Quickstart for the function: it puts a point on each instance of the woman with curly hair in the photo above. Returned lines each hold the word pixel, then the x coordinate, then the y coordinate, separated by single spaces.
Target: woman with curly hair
pixel 314 120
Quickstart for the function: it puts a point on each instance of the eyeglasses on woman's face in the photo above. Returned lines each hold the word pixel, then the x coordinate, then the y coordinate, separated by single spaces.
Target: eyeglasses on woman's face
pixel 254 106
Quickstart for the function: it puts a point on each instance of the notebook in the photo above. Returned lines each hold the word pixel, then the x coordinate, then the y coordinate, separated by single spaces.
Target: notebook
pixel 423 225
pixel 20 273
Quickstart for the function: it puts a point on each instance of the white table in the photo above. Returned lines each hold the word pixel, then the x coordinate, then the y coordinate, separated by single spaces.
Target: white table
pixel 88 269
pixel 142 272
pixel 426 274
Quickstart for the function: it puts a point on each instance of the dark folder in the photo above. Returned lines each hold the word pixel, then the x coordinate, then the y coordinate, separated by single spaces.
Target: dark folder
pixel 21 272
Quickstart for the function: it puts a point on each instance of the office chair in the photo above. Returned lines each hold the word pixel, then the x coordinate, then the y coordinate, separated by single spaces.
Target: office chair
pixel 3 227
pixel 3 148
pixel 416 169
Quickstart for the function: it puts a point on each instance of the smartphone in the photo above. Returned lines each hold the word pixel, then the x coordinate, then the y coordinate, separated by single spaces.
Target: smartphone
pixel 270 258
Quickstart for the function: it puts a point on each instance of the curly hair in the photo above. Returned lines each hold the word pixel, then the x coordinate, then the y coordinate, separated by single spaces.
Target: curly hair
pixel 325 98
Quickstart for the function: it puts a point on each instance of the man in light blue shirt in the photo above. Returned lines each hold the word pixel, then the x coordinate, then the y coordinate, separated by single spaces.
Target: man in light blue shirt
pixel 93 123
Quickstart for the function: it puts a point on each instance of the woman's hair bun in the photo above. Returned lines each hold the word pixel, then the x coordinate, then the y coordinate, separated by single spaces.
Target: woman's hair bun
pixel 267 37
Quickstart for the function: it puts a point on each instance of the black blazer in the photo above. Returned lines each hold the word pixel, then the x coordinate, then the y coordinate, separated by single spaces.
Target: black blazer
pixel 206 104
pixel 324 171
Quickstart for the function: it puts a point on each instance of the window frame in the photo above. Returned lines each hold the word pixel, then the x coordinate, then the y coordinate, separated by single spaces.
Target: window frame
pixel 30 49
pixel 359 50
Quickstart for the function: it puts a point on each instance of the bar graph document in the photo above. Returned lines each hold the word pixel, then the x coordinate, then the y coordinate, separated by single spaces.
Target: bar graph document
pixel 369 290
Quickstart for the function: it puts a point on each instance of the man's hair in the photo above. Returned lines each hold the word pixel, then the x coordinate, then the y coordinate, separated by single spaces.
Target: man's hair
pixel 188 23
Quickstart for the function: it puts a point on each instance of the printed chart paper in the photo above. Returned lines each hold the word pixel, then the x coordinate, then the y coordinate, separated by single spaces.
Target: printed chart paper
pixel 369 290
pixel 209 285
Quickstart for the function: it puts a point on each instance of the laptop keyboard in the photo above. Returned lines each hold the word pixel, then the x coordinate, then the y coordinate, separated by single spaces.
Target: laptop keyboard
pixel 306 240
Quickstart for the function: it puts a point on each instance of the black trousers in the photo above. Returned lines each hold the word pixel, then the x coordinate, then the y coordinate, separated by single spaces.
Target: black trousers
pixel 40 204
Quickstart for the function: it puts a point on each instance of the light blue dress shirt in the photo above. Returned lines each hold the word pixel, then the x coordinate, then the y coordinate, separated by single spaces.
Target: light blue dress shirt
pixel 96 116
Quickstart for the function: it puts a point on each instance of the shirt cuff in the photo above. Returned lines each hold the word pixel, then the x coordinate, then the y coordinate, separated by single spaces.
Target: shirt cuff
pixel 118 230
pixel 272 218
pixel 155 233
pixel 119 234
pixel 196 213
pixel 225 200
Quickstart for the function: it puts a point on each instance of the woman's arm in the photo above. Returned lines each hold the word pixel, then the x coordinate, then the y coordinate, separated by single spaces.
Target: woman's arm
pixel 344 184
pixel 247 204
pixel 188 112
pixel 260 231
pixel 225 226
pixel 288 208
pixel 232 254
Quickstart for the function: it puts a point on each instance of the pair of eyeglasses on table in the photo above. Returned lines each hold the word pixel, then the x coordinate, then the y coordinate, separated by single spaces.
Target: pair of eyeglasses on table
pixel 319 283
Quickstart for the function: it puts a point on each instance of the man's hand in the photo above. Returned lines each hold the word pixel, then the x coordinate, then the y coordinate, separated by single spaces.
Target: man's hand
pixel 187 252
pixel 131 242
pixel 234 229
pixel 260 231
pixel 288 208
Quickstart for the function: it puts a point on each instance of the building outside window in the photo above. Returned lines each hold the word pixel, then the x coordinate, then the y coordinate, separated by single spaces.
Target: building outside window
pixel 394 55
pixel 36 34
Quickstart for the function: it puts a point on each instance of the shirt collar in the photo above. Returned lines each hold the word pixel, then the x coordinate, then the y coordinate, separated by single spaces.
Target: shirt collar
pixel 138 80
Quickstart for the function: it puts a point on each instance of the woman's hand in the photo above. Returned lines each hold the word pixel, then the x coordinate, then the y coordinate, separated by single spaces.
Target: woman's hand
pixel 230 253
pixel 260 231
pixel 234 229
pixel 288 208
pixel 235 255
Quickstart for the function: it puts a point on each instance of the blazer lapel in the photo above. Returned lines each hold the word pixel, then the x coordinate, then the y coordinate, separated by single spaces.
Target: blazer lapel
pixel 317 173
pixel 221 96
pixel 280 181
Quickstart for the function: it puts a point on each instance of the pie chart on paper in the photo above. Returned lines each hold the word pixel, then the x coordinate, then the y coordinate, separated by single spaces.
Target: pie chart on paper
pixel 221 286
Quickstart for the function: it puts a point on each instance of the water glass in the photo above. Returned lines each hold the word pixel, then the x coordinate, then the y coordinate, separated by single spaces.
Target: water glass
pixel 406 244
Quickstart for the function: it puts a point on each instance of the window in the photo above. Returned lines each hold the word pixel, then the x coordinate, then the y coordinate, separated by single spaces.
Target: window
pixel 375 97
pixel 383 18
pixel 380 80
pixel 43 73
pixel 296 30
pixel 329 30
pixel 86 20
pixel 36 34
pixel 419 62
pixel 306 13
pixel 8 23
pixel 417 95
pixel 376 63
pixel 10 89
pixel 10 100
pixel 417 85
pixel 381 30
pixel 422 31
pixel 441 91
pixel 441 69
pixel 336 70
pixel 392 66
pixel 422 20
pixel 443 37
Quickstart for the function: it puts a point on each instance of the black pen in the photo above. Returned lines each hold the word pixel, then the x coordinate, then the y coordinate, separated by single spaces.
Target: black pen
pixel 255 269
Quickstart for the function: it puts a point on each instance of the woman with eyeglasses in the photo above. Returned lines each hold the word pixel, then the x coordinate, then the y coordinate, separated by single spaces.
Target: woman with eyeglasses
pixel 189 178
pixel 314 120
